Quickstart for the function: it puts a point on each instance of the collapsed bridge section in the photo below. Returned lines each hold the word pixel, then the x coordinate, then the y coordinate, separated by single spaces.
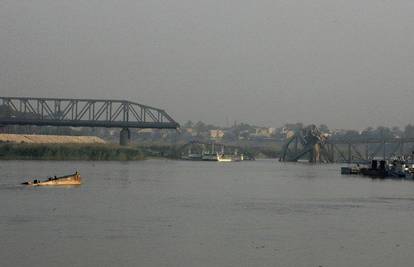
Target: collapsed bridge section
pixel 306 143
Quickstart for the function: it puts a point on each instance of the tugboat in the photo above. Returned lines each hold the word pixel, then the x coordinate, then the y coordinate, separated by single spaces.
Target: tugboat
pixel 72 179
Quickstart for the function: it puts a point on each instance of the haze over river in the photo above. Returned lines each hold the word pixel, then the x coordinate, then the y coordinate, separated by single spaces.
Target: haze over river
pixel 178 213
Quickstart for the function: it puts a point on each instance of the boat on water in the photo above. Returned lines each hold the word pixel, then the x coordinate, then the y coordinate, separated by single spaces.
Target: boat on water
pixel 396 169
pixel 351 170
pixel 207 156
pixel 204 154
pixel 72 179
pixel 211 155
pixel 192 156
pixel 223 158
pixel 217 157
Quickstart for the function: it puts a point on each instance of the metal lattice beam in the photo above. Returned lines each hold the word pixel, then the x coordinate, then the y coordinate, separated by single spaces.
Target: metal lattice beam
pixel 82 113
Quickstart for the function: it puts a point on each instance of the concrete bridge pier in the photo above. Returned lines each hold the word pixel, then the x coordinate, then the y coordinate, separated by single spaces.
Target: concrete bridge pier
pixel 124 137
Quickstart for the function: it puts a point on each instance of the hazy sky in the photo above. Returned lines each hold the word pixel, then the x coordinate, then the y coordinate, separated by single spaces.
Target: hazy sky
pixel 349 63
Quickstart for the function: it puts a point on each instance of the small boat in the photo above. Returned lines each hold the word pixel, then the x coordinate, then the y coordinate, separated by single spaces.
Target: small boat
pixel 192 156
pixel 351 170
pixel 207 156
pixel 223 158
pixel 73 179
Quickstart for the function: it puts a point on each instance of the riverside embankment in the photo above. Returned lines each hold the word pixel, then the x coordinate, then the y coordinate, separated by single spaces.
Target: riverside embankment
pixel 13 151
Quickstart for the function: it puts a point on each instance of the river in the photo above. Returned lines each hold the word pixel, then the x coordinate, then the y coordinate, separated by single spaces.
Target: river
pixel 180 213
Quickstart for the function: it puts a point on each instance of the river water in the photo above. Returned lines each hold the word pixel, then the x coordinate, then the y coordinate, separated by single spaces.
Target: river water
pixel 178 213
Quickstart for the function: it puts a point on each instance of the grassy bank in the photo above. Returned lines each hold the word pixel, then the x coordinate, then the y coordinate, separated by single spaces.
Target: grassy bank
pixel 10 151
pixel 26 151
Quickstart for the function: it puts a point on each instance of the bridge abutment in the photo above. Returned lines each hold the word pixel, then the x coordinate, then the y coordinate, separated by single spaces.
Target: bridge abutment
pixel 124 137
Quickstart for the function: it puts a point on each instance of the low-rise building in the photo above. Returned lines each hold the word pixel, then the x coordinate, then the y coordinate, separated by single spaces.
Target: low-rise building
pixel 216 134
pixel 265 132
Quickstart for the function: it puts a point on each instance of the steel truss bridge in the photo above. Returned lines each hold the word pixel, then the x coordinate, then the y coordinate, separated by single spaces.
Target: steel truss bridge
pixel 83 113
pixel 365 150
pixel 310 144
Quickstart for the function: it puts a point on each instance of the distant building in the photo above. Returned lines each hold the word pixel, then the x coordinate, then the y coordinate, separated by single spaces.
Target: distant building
pixel 216 134
pixel 191 131
pixel 265 132
pixel 244 135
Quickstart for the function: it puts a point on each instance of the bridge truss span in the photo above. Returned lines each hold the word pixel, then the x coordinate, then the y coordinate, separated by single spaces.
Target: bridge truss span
pixel 82 113
pixel 311 144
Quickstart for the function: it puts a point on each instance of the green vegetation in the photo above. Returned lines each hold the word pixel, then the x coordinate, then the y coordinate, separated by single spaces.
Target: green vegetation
pixel 25 151
pixel 10 151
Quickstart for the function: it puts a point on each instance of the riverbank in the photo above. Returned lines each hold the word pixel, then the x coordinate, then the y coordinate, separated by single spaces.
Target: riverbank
pixel 49 139
pixel 13 151
pixel 30 151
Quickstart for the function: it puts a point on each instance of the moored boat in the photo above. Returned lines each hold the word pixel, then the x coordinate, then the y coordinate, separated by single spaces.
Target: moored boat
pixel 223 158
pixel 72 179
pixel 351 170
pixel 395 169
pixel 192 157
pixel 209 156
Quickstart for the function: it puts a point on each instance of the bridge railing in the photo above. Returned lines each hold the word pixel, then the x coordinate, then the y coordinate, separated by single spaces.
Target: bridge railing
pixel 82 112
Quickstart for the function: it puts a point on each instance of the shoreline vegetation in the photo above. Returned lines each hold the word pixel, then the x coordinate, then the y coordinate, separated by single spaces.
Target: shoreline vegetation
pixel 103 152
pixel 98 152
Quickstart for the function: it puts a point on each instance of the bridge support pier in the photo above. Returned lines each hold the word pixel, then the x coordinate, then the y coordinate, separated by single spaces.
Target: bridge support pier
pixel 332 153
pixel 124 137
pixel 401 148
